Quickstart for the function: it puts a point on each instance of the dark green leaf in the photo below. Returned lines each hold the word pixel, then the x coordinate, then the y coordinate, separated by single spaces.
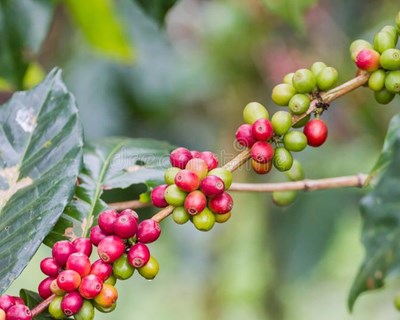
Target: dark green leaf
pixel 40 157
pixel 157 9
pixel 32 299
pixel 108 164
pixel 381 214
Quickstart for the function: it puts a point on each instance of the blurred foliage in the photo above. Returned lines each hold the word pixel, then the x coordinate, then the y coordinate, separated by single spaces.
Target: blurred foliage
pixel 157 8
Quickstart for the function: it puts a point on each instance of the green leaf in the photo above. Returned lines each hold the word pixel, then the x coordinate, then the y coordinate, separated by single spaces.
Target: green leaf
pixel 381 214
pixel 101 27
pixel 40 157
pixel 108 164
pixel 23 27
pixel 32 299
pixel 157 9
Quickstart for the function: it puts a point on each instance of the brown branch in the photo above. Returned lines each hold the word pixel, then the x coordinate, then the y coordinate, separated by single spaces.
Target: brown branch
pixel 134 204
pixel 42 306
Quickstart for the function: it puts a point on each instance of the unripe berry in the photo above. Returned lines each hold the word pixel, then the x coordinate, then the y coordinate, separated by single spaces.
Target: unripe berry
pixel 304 81
pixel 392 31
pixel 180 215
pixel 244 135
pixel 79 262
pixel 69 280
pixel 187 180
pixel 281 122
pixel 368 60
pixel 125 226
pixel 392 81
pixel 209 158
pixel 212 186
pixel 222 218
pixel 55 308
pixel 106 221
pixel 390 59
pixel 383 41
pixel 317 67
pixel 262 151
pixel 107 296
pixel 296 172
pixel 83 245
pixel 91 286
pixel 288 78
pixel 110 249
pixel 180 157
pixel 19 312
pixel 376 80
pixel 150 269
pixel 295 141
pixel 198 166
pixel 101 269
pixel 204 221
pixel 111 280
pixel 86 312
pixel 262 129
pixel 158 196
pixel 169 175
pixel 71 303
pixel 195 202
pixel 44 288
pixel 50 267
pixel 383 96
pixel 283 159
pixel 302 122
pixel 175 196
pixel 2 314
pixel 96 235
pixel 299 103
pixel 284 198
pixel 316 132
pixel 56 289
pixel 358 45
pixel 327 78
pixel 122 270
pixel 138 255
pixel 261 168
pixel 224 175
pixel 254 111
pixel 282 93
pixel 221 204
pixel 105 310
pixel 61 251
pixel 6 302
pixel 148 231
pixel 398 20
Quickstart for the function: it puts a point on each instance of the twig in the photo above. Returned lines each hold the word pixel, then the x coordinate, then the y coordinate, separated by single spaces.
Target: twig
pixel 134 204
pixel 42 306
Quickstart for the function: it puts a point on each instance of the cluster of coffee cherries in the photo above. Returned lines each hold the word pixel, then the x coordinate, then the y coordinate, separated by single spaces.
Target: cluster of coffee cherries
pixel 81 286
pixel 382 60
pixel 13 308
pixel 196 187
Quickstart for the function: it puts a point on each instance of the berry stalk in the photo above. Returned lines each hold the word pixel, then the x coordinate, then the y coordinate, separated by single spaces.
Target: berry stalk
pixel 42 306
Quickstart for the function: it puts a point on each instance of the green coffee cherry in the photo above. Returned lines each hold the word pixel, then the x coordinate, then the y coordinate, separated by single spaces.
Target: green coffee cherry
pixel 376 81
pixel 122 270
pixel 327 78
pixel 254 111
pixel 383 96
pixel 296 172
pixel 282 93
pixel 180 215
pixel 204 221
pixel 150 269
pixel 317 67
pixel 392 31
pixel 396 302
pixel 55 308
pixel 392 81
pixel 288 79
pixel 284 198
pixel 383 41
pixel 86 312
pixel 175 196
pixel 302 122
pixel 295 141
pixel 104 309
pixel 222 218
pixel 398 20
pixel 304 81
pixel 224 175
pixel 283 159
pixel 111 280
pixel 281 122
pixel 358 45
pixel 390 59
pixel 299 103
pixel 169 175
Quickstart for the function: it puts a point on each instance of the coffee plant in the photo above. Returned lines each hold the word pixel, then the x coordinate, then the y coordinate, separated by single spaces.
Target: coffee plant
pixel 52 180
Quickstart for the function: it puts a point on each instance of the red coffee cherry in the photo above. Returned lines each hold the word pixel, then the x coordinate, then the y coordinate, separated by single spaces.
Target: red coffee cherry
pixel 195 202
pixel 148 231
pixel 125 227
pixel 262 152
pixel 50 267
pixel 91 286
pixel 6 302
pixel 244 135
pixel 83 245
pixel 101 269
pixel 316 132
pixel 69 280
pixel 106 221
pixel 180 157
pixel 18 300
pixel 198 166
pixel 157 196
pixel 79 262
pixel 212 186
pixel 187 180
pixel 221 204
pixel 110 249
pixel 19 312
pixel 209 158
pixel 61 251
pixel 71 303
pixel 195 154
pixel 96 235
pixel 44 288
pixel 138 255
pixel 368 60
pixel 262 129
pixel 130 212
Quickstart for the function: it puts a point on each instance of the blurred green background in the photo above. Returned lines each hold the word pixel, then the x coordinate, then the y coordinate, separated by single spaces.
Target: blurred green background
pixel 188 83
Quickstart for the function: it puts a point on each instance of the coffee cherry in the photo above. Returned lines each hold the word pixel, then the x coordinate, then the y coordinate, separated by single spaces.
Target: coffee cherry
pixel 283 159
pixel 261 168
pixel 105 310
pixel 79 262
pixel 204 221
pixel 383 41
pixel 288 78
pixel 44 288
pixel 187 180
pixel 358 45
pixel 209 158
pixel 296 172
pixel 398 20
pixel 169 175
pixel 327 78
pixel 158 195
pixel 299 103
pixel 107 296
pixel 390 59
pixel 262 151
pixel 392 81
pixel 317 67
pixel 224 175
pixel 295 141
pixel 281 122
pixel 61 251
pixel 96 235
pixel 122 270
pixel 68 280
pixel 180 215
pixel 50 267
pixel 284 198
pixel 195 202
pixel 383 96
pixel 106 221
pixel 302 122
pixel 212 186
pixel 244 135
pixel 198 166
pixel 110 249
pixel 195 153
pixel 148 231
pixel 111 280
pixel 56 289
pixel 138 255
pixel 316 132
pixel 55 308
pixel 254 111
pixel 222 218
pixel 304 81
pixel 282 93
pixel 262 129
pixel 86 312
pixel 368 60
pixel 125 226
pixel 91 286
pixel 19 300
pixel 130 212
pixel 180 157
pixel 221 204
pixel 71 303
pixel 6 302
pixel 83 245
pixel 175 196
pixel 19 312
pixel 101 269
pixel 2 314
pixel 392 31
pixel 376 80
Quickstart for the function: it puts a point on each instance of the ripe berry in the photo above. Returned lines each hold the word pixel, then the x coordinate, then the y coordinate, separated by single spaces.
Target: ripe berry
pixel 19 300
pixel 262 129
pixel 150 269
pixel 101 269
pixel 299 103
pixel 222 218
pixel 212 186
pixel 91 286
pixel 83 245
pixel 195 153
pixel 281 122
pixel 180 157
pixel 148 231
pixel 175 196
pixel 316 132
pixel 221 204
pixel 284 198
pixel 106 221
pixel 390 59
pixel 158 196
pixel 61 251
pixel 376 80
pixel 138 255
pixel 71 303
pixel 254 111
pixel 383 96
pixel 6 302
pixel 69 280
pixel 55 308
pixel 195 202
pixel 110 249
pixel 358 45
pixel 130 212
pixel 198 166
pixel 125 226
pixel 244 135
pixel 262 151
pixel 187 180
pixel 79 262
pixel 107 296
pixel 122 270
pixel 209 158
pixel 304 81
pixel 317 67
pixel 204 221
pixel 180 215
pixel 282 93
pixel 296 172
pixel 50 267
pixel 368 60
pixel 261 168
pixel 295 141
pixel 19 312
pixel 96 235
pixel 86 312
pixel 384 41
pixel 44 288
pixel 283 159
pixel 392 81
pixel 327 78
